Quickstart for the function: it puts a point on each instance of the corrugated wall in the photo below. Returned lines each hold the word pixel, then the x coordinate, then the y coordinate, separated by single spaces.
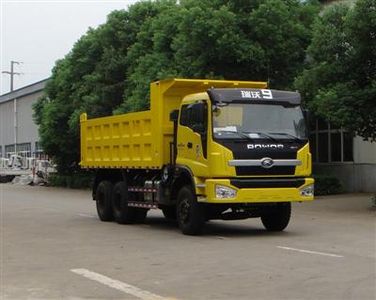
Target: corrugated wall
pixel 27 130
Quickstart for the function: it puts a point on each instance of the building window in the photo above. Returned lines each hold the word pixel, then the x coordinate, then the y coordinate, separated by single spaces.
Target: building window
pixel 330 143
pixel 348 148
pixel 23 149
pixel 9 150
pixel 38 147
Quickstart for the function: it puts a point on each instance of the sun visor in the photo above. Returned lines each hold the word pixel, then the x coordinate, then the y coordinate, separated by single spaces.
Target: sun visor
pixel 262 96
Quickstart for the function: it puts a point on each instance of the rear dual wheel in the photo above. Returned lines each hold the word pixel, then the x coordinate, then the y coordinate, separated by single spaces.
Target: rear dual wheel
pixel 112 203
pixel 124 214
pixel 103 198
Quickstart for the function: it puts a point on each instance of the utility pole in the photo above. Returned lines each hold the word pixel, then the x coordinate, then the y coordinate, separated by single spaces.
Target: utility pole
pixel 12 73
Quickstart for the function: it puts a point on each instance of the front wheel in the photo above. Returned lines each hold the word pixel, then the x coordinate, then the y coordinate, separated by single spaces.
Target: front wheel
pixel 278 217
pixel 189 213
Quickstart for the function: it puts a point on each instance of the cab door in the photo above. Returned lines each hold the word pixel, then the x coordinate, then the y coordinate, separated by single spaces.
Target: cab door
pixel 192 137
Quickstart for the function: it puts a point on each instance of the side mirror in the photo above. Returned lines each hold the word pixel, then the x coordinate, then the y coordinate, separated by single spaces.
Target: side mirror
pixel 174 115
pixel 307 118
pixel 307 115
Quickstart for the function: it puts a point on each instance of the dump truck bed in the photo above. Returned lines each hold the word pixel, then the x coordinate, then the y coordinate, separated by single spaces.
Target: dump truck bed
pixel 142 139
pixel 118 141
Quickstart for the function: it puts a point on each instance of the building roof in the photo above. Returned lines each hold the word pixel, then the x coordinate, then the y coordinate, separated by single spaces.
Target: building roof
pixel 24 91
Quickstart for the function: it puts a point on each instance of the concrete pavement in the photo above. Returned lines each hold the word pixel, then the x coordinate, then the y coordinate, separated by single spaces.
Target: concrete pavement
pixel 47 234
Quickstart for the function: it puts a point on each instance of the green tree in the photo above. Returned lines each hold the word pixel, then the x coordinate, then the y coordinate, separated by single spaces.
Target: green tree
pixel 110 68
pixel 91 78
pixel 339 83
pixel 258 40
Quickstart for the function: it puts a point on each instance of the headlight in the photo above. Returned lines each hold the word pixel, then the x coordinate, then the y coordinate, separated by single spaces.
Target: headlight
pixel 307 191
pixel 222 192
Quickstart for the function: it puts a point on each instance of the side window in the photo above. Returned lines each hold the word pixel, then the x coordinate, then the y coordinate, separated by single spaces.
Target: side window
pixel 194 116
pixel 185 116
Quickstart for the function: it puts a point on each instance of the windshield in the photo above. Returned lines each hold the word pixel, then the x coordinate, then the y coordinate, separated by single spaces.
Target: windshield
pixel 263 121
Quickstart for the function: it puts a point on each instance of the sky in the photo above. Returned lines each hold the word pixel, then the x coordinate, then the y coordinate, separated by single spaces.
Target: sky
pixel 39 32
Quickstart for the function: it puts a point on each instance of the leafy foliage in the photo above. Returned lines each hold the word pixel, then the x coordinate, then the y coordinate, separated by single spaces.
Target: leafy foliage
pixel 340 81
pixel 82 180
pixel 91 78
pixel 326 184
pixel 110 68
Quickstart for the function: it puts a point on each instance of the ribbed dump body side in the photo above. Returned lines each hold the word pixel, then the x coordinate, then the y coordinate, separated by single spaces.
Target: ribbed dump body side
pixel 122 141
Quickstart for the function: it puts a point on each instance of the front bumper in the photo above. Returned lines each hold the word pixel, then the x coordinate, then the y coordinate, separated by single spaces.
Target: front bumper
pixel 207 192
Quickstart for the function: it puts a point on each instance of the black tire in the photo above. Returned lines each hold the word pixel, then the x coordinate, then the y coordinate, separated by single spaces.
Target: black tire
pixel 189 213
pixel 140 215
pixel 278 217
pixel 103 199
pixel 123 214
pixel 169 212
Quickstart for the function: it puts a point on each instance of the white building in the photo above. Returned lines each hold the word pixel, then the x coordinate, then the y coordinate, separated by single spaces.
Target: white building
pixel 16 120
pixel 351 159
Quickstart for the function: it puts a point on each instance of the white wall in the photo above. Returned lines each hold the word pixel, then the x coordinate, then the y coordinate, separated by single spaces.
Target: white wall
pixel 7 123
pixel 27 131
pixel 357 176
pixel 364 151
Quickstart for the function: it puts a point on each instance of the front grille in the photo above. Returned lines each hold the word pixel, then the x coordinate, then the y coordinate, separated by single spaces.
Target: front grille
pixel 268 183
pixel 260 171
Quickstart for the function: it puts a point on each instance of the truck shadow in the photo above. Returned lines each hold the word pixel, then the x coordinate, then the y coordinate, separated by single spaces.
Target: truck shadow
pixel 217 229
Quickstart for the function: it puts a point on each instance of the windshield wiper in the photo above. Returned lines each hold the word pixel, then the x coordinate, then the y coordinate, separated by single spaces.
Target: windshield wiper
pixel 287 134
pixel 262 134
pixel 241 134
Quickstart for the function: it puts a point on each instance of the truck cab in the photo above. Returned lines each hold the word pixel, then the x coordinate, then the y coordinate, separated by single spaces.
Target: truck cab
pixel 236 139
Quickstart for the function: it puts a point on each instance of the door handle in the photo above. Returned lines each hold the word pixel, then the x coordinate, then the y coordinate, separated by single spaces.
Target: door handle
pixel 189 145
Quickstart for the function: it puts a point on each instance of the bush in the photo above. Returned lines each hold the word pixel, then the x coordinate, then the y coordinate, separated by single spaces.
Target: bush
pixel 327 185
pixel 57 180
pixel 73 181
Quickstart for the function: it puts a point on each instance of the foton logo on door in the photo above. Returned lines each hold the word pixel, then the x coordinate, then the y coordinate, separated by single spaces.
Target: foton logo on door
pixel 264 146
pixel 261 94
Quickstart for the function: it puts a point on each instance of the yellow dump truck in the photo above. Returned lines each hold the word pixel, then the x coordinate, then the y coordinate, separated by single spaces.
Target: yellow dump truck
pixel 206 149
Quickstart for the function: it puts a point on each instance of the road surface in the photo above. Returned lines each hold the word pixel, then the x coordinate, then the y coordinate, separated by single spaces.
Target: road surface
pixel 53 246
